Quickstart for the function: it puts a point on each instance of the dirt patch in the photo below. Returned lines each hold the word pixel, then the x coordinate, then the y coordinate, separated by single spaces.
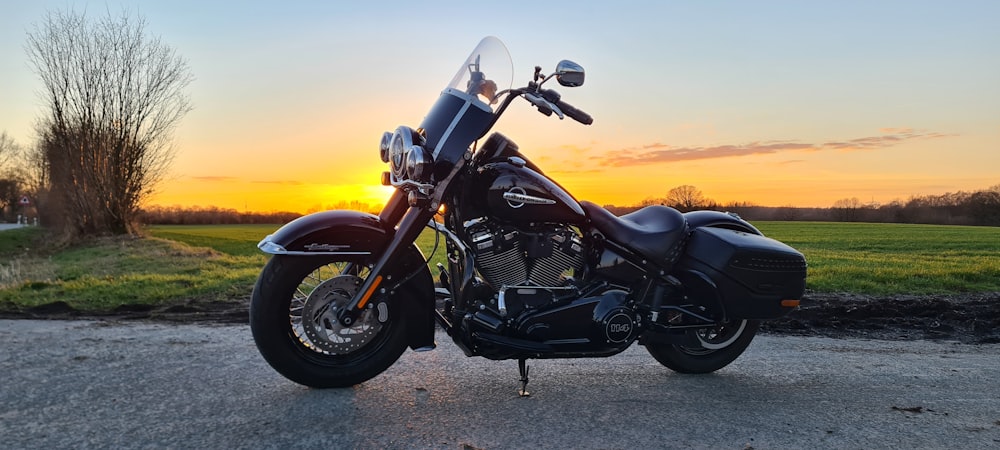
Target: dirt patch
pixel 969 318
pixel 191 311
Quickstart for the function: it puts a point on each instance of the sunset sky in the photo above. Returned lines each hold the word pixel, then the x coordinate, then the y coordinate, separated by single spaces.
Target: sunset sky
pixel 796 103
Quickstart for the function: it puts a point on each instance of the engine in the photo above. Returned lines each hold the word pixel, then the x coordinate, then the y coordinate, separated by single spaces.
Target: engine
pixel 507 256
pixel 529 292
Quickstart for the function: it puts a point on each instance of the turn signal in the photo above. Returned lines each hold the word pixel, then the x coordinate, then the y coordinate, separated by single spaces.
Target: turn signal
pixel 790 303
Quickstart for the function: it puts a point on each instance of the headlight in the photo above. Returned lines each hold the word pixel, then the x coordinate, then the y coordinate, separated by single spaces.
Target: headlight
pixel 401 140
pixel 383 146
pixel 418 164
pixel 406 156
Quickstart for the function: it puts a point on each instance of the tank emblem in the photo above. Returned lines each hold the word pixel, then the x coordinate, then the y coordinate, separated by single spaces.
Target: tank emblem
pixel 517 197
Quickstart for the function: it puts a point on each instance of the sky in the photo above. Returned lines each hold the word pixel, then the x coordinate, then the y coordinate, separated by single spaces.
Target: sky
pixel 777 103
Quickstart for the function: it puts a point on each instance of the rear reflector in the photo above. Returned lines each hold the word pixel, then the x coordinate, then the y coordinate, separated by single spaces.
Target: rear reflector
pixel 790 303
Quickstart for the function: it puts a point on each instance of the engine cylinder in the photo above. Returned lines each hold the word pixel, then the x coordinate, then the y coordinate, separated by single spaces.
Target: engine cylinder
pixel 509 257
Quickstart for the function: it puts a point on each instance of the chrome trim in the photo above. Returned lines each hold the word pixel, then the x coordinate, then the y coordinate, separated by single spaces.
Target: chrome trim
pixel 271 248
pixel 383 146
pixel 473 222
pixel 540 287
pixel 402 140
pixel 417 166
pixel 516 197
pixel 301 253
pixel 501 303
pixel 266 246
pixel 439 227
pixel 413 185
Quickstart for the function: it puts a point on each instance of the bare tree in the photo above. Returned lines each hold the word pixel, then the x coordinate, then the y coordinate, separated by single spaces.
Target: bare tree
pixel 114 96
pixel 10 181
pixel 9 152
pixel 686 198
pixel 846 209
pixel 35 167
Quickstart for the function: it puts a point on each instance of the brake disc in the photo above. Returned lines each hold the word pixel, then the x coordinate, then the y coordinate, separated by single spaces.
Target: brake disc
pixel 319 317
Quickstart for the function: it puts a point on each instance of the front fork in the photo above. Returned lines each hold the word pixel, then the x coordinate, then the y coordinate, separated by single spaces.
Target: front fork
pixel 411 221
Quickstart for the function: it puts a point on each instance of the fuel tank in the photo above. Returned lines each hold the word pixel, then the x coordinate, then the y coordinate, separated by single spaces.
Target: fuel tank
pixel 518 195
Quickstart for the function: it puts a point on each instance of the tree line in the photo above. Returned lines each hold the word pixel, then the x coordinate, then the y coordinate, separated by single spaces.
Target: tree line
pixel 211 215
pixel 177 215
pixel 961 208
pixel 981 207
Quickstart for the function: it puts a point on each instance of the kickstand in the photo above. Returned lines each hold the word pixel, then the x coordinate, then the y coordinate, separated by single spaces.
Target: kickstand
pixel 522 367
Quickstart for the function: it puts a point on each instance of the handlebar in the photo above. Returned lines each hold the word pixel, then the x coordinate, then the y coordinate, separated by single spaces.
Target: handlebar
pixel 546 100
pixel 554 99
pixel 574 113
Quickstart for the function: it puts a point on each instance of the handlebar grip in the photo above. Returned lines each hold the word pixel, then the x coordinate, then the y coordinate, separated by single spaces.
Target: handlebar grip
pixel 574 113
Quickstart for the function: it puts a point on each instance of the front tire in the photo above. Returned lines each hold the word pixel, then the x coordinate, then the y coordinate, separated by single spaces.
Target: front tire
pixel 716 348
pixel 292 316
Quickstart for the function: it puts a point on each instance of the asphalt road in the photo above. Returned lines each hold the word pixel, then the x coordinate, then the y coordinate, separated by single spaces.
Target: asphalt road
pixel 103 384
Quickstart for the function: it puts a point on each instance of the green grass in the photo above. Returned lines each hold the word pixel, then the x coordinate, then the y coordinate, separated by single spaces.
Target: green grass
pixel 243 239
pixel 110 273
pixel 180 264
pixel 894 258
pixel 843 257
pixel 18 241
pixel 239 240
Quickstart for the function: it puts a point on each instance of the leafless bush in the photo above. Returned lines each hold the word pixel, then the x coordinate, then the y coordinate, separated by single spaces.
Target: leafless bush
pixel 113 96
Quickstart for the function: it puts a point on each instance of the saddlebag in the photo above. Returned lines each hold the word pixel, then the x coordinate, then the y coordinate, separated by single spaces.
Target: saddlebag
pixel 746 274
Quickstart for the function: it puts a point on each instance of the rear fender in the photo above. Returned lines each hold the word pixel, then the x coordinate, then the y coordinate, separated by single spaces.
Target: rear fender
pixel 357 234
pixel 718 219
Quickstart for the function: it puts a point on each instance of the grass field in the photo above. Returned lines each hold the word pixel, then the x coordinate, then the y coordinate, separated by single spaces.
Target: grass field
pixel 220 262
pixel 843 257
pixel 894 258
pixel 112 273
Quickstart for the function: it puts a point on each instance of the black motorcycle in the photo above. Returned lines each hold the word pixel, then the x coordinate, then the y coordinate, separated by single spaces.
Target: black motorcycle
pixel 531 272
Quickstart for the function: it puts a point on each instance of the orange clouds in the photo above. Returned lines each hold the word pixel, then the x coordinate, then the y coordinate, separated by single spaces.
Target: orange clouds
pixel 658 153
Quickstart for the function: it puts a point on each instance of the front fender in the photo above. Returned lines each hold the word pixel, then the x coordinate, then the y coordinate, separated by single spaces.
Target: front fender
pixel 329 232
pixel 354 234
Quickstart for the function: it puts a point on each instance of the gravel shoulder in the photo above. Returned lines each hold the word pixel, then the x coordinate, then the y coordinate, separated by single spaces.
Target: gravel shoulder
pixel 139 384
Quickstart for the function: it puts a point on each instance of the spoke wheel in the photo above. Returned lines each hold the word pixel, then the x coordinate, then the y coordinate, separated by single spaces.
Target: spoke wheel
pixel 315 322
pixel 293 316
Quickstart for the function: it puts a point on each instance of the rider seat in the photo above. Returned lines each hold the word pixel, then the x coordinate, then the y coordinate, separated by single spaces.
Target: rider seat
pixel 655 232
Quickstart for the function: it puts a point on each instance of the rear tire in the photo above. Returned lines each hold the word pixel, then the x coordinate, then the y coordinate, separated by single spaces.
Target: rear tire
pixel 291 309
pixel 718 347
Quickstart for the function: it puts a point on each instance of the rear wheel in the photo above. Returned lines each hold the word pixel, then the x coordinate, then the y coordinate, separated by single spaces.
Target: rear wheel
pixel 293 317
pixel 716 348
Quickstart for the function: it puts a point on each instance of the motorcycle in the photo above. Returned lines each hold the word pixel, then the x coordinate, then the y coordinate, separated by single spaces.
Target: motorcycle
pixel 531 273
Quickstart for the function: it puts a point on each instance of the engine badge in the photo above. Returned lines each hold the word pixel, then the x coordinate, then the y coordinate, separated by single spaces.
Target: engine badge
pixel 619 328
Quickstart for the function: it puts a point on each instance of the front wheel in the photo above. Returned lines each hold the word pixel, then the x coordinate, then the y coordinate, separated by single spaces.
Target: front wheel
pixel 716 348
pixel 293 317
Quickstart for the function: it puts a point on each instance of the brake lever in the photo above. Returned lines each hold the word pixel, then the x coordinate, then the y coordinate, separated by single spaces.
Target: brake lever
pixel 541 103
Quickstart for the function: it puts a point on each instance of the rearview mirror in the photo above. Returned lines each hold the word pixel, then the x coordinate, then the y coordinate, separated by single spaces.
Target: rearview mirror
pixel 569 73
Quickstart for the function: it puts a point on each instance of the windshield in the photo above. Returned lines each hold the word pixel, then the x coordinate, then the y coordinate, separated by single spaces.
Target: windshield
pixel 487 72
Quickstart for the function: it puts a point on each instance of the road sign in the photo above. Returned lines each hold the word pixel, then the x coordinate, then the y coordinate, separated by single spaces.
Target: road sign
pixel 25 201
